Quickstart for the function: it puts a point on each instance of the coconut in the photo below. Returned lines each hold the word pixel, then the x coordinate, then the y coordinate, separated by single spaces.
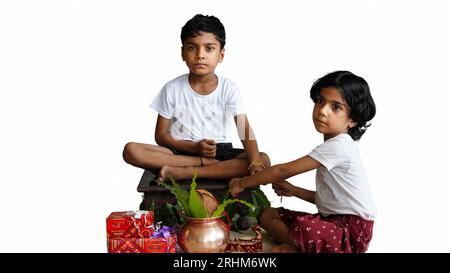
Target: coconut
pixel 210 202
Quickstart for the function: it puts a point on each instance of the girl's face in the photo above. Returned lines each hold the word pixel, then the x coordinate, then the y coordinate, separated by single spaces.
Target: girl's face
pixel 202 53
pixel 331 113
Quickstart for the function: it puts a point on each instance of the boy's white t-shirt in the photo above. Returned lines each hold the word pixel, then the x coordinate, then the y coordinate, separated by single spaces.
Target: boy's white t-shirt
pixel 341 183
pixel 196 117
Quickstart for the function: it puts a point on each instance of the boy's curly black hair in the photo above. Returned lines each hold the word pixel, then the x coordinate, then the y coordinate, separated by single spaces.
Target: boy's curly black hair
pixel 356 93
pixel 203 23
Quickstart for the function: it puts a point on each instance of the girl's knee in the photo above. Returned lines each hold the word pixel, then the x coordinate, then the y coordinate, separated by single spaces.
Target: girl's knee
pixel 267 215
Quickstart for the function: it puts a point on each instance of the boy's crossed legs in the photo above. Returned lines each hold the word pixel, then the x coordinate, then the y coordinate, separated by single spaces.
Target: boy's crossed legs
pixel 155 157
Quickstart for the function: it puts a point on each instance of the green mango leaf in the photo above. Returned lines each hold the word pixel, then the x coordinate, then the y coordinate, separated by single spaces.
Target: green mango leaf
pixel 165 215
pixel 181 195
pixel 170 188
pixel 222 206
pixel 257 211
pixel 152 206
pixel 225 196
pixel 196 208
pixel 231 210
pixel 261 199
pixel 174 213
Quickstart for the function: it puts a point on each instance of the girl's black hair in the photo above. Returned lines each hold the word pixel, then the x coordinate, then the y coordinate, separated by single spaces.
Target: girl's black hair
pixel 203 23
pixel 356 93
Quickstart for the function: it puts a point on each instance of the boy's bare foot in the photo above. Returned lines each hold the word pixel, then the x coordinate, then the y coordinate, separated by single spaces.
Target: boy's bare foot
pixel 176 173
pixel 163 174
pixel 284 248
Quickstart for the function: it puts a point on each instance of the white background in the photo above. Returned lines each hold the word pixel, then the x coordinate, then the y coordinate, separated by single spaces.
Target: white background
pixel 76 79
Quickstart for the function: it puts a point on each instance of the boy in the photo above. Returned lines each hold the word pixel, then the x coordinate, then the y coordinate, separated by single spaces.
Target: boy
pixel 193 114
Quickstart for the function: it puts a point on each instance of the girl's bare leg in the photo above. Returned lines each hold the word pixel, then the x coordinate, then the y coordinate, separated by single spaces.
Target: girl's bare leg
pixel 271 221
pixel 284 248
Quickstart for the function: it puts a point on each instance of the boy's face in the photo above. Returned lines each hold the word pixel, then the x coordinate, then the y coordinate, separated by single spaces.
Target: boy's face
pixel 202 53
pixel 331 113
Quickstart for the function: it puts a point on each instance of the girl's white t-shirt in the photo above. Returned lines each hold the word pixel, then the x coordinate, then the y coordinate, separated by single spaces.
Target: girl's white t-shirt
pixel 195 117
pixel 342 186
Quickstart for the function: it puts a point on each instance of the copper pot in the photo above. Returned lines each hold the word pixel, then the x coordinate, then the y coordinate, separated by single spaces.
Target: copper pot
pixel 204 235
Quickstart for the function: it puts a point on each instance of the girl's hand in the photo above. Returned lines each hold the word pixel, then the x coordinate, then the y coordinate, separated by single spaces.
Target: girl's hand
pixel 235 186
pixel 255 169
pixel 284 188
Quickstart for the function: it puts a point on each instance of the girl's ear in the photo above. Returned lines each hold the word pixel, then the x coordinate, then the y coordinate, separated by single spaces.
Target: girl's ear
pixel 352 124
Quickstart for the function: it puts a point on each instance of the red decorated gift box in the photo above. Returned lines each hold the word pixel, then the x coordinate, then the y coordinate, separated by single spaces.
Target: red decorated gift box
pixel 143 245
pixel 130 224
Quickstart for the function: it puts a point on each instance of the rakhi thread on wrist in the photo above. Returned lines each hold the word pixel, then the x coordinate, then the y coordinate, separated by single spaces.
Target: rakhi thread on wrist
pixel 256 164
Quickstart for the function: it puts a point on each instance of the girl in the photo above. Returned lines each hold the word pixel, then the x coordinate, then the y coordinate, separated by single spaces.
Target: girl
pixel 346 211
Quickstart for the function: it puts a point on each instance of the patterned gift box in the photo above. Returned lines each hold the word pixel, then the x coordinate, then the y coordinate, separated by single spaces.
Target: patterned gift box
pixel 143 245
pixel 130 224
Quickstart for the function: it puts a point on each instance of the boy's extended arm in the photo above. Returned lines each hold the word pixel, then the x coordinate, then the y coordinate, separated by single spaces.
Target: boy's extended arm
pixel 247 138
pixel 280 172
pixel 164 138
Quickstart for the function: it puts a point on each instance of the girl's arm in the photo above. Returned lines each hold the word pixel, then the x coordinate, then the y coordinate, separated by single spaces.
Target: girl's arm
pixel 287 189
pixel 307 195
pixel 164 138
pixel 275 174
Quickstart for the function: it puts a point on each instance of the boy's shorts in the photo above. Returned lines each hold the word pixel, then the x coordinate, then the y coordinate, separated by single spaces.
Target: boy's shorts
pixel 224 151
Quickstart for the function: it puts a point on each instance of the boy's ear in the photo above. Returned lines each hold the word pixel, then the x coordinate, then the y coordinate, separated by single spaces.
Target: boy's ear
pixel 222 55
pixel 182 55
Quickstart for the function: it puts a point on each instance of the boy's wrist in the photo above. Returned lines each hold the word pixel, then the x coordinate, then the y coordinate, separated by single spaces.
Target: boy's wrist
pixel 185 146
pixel 256 163
pixel 241 184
